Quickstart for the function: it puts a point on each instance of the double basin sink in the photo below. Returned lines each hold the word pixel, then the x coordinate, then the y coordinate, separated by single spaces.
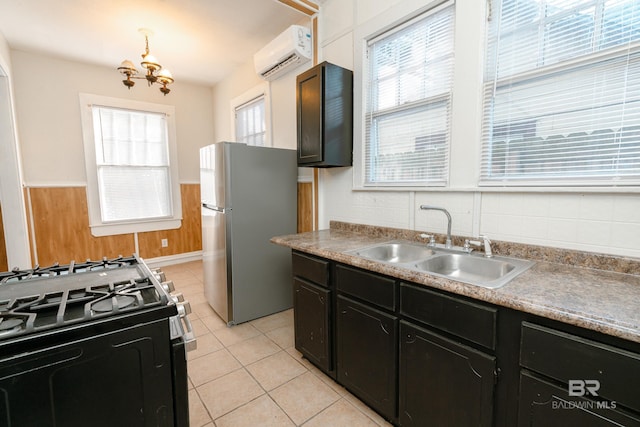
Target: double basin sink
pixel 472 268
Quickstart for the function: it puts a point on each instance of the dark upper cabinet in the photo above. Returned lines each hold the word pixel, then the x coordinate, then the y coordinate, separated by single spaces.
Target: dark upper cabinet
pixel 324 105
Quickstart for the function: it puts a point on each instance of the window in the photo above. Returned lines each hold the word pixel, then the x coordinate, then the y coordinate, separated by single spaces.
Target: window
pixel 562 93
pixel 131 168
pixel 250 123
pixel 250 117
pixel 408 101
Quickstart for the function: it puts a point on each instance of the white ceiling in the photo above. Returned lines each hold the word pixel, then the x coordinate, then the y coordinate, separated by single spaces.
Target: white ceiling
pixel 200 41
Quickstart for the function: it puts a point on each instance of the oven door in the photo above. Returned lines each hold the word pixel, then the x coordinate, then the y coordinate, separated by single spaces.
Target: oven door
pixel 119 378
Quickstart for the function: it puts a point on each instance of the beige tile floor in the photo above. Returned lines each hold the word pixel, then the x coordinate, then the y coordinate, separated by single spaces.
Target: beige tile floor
pixel 251 374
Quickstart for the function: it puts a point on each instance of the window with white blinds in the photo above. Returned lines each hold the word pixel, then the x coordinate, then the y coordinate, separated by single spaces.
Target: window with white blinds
pixel 131 163
pixel 250 122
pixel 562 93
pixel 132 160
pixel 408 101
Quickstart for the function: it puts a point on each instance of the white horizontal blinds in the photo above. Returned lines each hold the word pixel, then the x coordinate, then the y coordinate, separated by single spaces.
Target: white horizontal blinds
pixel 250 122
pixel 132 159
pixel 408 102
pixel 562 93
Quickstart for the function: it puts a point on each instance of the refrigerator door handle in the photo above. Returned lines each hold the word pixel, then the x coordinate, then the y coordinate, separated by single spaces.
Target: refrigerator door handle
pixel 214 208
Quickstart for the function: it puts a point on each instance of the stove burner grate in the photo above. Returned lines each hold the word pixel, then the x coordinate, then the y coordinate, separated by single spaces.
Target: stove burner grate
pixel 54 302
pixel 11 325
pixel 117 303
pixel 61 270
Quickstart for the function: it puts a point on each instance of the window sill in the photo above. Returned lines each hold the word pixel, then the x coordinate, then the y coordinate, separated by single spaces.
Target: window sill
pixel 102 230
pixel 504 189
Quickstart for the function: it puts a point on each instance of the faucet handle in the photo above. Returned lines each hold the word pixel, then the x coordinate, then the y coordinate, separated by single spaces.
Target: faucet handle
pixel 484 241
pixel 472 242
pixel 431 237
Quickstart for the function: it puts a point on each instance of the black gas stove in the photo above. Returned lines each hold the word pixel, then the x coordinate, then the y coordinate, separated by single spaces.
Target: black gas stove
pixel 78 340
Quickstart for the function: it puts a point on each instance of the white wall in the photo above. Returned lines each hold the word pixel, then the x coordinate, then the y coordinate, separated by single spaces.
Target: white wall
pixel 48 116
pixel 283 103
pixel 583 220
pixel 241 80
pixel 283 106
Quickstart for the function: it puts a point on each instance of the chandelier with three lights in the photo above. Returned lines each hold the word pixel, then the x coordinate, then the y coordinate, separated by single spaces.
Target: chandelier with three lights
pixel 155 74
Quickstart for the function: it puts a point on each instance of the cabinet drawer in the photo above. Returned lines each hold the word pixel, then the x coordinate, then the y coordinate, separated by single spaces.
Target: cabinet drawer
pixel 370 287
pixel 543 403
pixel 474 322
pixel 565 357
pixel 311 268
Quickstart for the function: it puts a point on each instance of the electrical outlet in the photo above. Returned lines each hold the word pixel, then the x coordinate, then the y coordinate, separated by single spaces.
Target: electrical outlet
pixel 164 243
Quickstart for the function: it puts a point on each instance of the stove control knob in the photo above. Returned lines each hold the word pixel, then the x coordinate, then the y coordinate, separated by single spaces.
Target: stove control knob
pixel 159 275
pixel 177 298
pixel 168 286
pixel 184 309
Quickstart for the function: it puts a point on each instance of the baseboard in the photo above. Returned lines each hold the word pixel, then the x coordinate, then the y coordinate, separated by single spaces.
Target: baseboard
pixel 174 259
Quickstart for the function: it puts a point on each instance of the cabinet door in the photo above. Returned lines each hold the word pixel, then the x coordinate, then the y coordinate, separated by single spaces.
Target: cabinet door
pixel 311 311
pixel 442 382
pixel 543 404
pixel 366 354
pixel 309 104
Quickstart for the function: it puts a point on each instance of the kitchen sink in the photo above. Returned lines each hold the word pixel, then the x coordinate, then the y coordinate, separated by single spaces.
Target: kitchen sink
pixel 453 264
pixel 395 252
pixel 477 270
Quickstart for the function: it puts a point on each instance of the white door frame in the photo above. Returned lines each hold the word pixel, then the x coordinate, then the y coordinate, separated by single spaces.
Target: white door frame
pixel 14 215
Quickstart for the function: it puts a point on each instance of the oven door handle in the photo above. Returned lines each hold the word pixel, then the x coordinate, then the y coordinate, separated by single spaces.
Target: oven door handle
pixel 189 337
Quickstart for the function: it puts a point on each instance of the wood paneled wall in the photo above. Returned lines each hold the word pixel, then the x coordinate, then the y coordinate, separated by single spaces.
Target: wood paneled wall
pixel 305 207
pixel 187 238
pixel 62 233
pixel 61 230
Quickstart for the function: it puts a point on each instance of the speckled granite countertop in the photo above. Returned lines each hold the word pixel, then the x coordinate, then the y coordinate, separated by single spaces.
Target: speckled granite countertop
pixel 562 285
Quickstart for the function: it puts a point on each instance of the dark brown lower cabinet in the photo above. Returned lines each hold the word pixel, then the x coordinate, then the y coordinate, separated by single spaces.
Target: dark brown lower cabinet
pixel 543 404
pixel 312 316
pixel 422 357
pixel 443 382
pixel 367 354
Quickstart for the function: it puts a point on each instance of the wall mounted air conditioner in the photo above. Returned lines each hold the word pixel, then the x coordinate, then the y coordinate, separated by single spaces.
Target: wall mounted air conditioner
pixel 288 50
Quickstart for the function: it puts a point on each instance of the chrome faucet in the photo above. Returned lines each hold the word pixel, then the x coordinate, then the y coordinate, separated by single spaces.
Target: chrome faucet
pixel 436 208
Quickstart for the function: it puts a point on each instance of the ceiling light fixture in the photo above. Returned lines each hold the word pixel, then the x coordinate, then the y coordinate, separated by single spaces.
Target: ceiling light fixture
pixel 155 72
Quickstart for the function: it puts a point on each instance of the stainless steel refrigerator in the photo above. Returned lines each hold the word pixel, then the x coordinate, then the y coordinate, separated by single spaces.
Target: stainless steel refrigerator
pixel 249 194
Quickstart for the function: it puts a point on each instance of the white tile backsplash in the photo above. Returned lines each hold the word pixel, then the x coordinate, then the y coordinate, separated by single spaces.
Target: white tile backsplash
pixel 626 235
pixel 594 232
pixel 591 221
pixel 596 208
pixel 626 208
pixel 605 223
